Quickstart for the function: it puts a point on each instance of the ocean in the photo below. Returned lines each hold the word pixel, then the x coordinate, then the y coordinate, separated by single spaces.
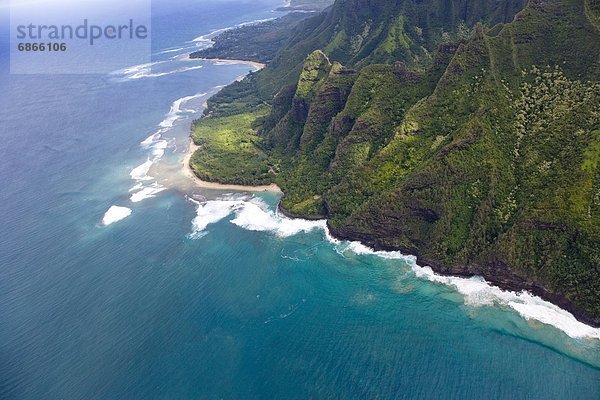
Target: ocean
pixel 119 279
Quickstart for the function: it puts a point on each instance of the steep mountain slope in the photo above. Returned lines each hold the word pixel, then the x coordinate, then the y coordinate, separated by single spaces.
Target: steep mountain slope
pixel 498 166
pixel 356 33
pixel 453 132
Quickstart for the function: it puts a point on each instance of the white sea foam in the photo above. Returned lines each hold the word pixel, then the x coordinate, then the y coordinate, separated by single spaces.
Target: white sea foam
pixel 206 39
pixel 189 98
pixel 145 70
pixel 171 50
pixel 359 248
pixel 254 215
pixel 210 212
pixel 158 149
pixel 157 144
pixel 137 68
pixel 136 187
pixel 477 292
pixel 114 214
pixel 251 214
pixel 201 42
pixel 147 74
pixel 146 192
pixel 151 139
pixel 140 173
pixel 177 112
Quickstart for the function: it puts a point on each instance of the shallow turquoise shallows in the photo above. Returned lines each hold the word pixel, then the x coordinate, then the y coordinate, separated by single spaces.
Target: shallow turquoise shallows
pixel 202 294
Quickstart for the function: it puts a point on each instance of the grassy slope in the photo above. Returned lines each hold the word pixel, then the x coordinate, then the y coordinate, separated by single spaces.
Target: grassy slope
pixel 229 152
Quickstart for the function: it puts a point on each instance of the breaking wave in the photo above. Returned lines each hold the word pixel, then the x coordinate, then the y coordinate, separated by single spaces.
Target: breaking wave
pixel 114 214
pixel 207 39
pixel 478 292
pixel 253 214
pixel 145 71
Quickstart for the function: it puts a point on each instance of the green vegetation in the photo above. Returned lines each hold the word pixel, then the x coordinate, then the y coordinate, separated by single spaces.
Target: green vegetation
pixel 469 136
pixel 313 73
pixel 257 42
pixel 307 5
pixel 228 152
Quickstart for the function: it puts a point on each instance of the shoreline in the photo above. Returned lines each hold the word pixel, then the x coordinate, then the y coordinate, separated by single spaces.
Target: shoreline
pixel 187 171
pixel 503 279
pixel 192 147
pixel 255 64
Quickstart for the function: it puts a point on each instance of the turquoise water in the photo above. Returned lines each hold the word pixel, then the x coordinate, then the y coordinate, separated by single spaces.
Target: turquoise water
pixel 162 304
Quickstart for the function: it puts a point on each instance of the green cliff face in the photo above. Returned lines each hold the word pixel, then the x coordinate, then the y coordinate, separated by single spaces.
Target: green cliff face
pixel 454 131
pixel 357 33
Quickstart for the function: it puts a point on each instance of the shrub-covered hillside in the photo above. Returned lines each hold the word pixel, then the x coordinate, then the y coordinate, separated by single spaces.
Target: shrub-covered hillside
pixel 467 134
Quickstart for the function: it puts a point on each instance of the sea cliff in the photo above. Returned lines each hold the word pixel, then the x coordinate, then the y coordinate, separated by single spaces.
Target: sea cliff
pixel 469 138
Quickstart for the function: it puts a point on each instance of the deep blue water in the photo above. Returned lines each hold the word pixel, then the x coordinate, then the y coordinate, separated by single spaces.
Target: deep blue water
pixel 250 306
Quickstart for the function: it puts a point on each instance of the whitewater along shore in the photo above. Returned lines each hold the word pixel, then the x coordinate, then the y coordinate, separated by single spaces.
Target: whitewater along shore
pixel 256 65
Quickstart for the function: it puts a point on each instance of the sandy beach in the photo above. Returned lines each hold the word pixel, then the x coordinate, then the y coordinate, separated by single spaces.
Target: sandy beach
pixel 187 171
pixel 186 168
